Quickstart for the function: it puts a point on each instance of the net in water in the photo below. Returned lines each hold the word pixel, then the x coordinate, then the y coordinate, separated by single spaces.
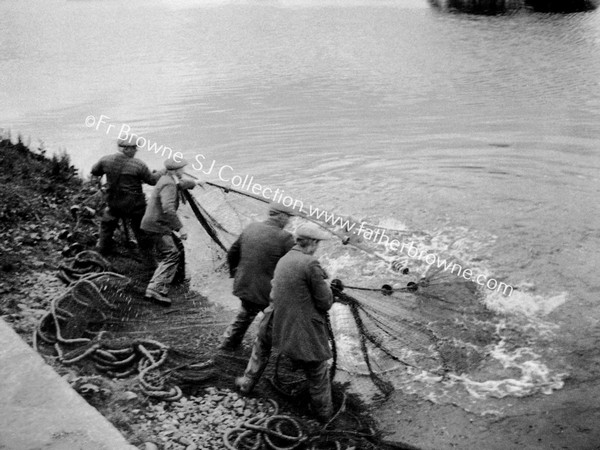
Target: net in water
pixel 387 320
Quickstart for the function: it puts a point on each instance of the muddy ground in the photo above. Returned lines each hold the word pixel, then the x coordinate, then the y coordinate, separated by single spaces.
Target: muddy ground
pixel 39 231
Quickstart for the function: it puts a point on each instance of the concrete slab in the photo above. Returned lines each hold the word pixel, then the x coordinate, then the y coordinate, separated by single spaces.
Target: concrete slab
pixel 39 410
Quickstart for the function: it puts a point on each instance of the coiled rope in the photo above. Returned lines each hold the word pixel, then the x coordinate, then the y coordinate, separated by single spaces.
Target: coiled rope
pixel 283 432
pixel 267 432
pixel 276 432
pixel 71 328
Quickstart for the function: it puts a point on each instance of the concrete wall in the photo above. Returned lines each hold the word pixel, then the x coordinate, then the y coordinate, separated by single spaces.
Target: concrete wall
pixel 38 409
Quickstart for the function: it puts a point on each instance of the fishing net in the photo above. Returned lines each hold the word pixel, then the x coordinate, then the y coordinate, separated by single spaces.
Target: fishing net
pixel 390 322
pixel 224 213
pixel 382 334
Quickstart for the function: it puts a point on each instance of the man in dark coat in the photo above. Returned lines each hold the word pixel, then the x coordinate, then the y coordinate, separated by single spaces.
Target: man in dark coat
pixel 301 298
pixel 125 199
pixel 163 226
pixel 252 259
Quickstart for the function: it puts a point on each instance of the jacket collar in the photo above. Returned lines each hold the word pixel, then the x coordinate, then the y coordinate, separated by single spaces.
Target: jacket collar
pixel 273 222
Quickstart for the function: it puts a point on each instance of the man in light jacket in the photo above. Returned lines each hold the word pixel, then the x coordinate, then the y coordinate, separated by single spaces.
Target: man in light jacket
pixel 163 226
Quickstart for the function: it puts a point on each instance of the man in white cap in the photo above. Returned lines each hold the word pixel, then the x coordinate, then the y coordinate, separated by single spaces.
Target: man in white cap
pixel 252 259
pixel 301 298
pixel 163 226
pixel 125 199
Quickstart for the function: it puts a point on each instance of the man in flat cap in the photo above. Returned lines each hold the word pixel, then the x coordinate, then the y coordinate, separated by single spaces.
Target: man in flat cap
pixel 301 298
pixel 163 226
pixel 125 199
pixel 252 259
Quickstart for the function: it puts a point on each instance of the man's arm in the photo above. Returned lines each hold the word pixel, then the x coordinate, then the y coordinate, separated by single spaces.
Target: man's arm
pixel 96 181
pixel 168 200
pixel 320 290
pixel 98 169
pixel 234 255
pixel 186 184
pixel 148 177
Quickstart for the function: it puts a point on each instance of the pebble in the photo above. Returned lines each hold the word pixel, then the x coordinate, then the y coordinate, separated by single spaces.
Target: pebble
pixel 130 395
pixel 199 423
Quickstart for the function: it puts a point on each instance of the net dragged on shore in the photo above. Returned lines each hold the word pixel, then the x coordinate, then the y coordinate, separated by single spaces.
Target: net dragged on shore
pixel 376 332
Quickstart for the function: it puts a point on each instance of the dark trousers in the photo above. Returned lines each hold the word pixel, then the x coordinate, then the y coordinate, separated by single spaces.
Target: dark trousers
pixel 109 223
pixel 234 334
pixel 319 387
pixel 317 372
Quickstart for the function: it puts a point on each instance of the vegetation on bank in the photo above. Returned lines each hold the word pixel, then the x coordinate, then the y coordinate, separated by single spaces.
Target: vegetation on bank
pixel 37 228
pixel 36 192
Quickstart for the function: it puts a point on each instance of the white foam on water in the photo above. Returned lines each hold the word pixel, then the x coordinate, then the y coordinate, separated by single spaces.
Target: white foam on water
pixel 392 224
pixel 509 370
pixel 469 248
pixel 523 302
pixel 535 376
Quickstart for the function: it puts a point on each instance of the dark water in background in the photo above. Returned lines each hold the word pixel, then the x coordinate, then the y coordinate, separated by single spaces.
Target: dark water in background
pixel 483 132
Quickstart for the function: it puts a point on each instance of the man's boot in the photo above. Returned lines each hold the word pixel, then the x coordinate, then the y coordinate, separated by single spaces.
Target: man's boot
pixel 157 297
pixel 105 244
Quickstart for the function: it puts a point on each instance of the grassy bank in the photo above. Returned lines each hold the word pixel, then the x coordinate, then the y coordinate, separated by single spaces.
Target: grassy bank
pixel 37 229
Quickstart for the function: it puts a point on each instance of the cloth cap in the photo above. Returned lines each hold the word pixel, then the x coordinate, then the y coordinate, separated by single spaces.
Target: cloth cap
pixel 277 208
pixel 311 231
pixel 129 141
pixel 171 164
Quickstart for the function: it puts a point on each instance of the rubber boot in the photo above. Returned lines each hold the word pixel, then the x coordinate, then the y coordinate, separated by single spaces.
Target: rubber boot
pixel 105 239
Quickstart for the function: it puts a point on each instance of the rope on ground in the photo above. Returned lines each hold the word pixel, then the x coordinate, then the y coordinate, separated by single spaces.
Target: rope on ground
pixel 84 263
pixel 276 432
pixel 283 432
pixel 152 384
pixel 74 328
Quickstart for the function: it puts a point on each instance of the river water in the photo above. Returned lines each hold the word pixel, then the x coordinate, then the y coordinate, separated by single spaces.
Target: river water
pixel 483 133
